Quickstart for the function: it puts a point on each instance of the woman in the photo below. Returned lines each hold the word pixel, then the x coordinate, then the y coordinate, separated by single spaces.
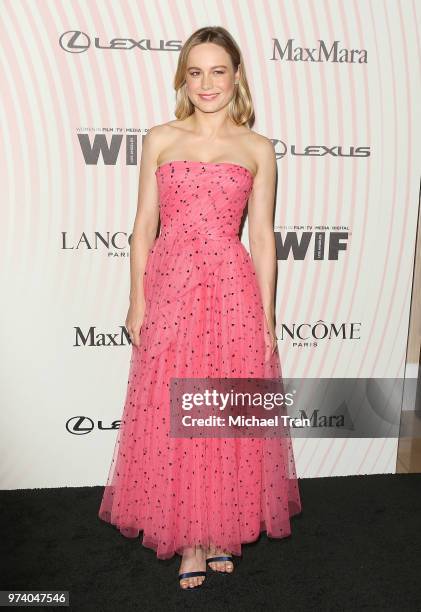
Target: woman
pixel 201 307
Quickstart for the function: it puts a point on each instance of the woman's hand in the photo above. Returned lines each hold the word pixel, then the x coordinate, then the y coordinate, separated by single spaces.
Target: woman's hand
pixel 272 343
pixel 134 319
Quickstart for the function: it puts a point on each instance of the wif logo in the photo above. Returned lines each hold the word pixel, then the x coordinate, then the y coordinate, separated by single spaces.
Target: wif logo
pixel 324 245
pixel 109 151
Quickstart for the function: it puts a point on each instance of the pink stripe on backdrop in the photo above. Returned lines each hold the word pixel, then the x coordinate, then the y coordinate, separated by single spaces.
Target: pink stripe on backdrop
pixel 395 213
pixel 314 270
pixel 338 312
pixel 31 110
pixel 276 25
pixel 409 116
pixel 395 208
pixel 17 107
pixel 76 92
pixel 12 136
pixel 312 274
pixel 302 363
pixel 298 137
pixel 416 21
pixel 274 17
pixel 106 88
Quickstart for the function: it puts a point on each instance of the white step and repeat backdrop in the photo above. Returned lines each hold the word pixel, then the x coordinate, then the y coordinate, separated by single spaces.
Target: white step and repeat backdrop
pixel 336 87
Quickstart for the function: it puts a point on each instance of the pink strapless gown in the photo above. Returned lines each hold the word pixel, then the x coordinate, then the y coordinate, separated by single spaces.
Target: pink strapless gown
pixel 204 318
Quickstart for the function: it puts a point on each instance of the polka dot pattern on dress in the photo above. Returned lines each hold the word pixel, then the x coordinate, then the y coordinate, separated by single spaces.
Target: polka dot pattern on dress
pixel 204 318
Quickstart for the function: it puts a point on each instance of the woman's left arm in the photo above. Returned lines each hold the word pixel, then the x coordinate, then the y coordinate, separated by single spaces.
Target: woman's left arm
pixel 261 208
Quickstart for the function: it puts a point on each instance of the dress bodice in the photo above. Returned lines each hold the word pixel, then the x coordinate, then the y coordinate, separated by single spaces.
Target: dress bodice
pixel 202 197
pixel 201 206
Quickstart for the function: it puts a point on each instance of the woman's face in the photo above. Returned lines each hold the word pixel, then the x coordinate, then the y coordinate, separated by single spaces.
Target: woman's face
pixel 210 77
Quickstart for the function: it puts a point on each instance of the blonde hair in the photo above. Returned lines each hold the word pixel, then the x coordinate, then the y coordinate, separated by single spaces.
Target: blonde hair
pixel 240 108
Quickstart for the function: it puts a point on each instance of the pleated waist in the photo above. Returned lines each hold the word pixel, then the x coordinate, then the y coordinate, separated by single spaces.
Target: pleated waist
pixel 193 236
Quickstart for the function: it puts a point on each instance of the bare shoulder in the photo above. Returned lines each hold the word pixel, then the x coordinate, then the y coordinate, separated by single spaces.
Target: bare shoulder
pixel 263 151
pixel 161 136
pixel 161 130
pixel 154 141
pixel 157 132
pixel 261 143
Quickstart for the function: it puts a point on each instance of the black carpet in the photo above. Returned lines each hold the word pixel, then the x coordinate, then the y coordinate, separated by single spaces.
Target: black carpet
pixel 355 546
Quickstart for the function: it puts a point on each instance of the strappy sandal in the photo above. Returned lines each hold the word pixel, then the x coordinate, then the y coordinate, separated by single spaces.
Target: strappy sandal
pixel 191 575
pixel 221 558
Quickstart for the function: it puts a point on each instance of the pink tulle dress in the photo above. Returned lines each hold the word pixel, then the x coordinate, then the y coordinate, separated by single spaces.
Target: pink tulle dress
pixel 204 318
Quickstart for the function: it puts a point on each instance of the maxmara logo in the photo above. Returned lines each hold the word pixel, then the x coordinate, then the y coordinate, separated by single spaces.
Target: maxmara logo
pixel 94 337
pixel 324 52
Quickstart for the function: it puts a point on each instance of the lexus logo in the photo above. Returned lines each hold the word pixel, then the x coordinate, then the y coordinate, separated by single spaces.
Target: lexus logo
pixel 81 425
pixel 74 41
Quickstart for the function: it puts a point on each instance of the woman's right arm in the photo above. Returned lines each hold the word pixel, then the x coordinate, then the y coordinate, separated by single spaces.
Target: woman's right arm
pixel 144 232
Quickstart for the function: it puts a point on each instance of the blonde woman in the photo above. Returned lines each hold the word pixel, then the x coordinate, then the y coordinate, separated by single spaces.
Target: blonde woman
pixel 200 306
